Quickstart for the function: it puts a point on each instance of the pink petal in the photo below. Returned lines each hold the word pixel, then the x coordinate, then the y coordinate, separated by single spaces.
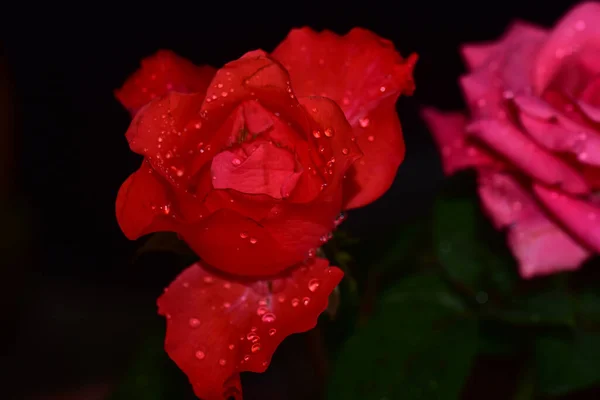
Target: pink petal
pixel 458 153
pixel 578 216
pixel 578 29
pixel 507 140
pixel 532 237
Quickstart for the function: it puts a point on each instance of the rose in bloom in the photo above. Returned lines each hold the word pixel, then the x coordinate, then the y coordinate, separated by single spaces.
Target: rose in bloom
pixel 252 165
pixel 533 135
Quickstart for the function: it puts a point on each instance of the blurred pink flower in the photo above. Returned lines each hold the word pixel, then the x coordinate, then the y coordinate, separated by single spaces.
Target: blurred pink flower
pixel 533 136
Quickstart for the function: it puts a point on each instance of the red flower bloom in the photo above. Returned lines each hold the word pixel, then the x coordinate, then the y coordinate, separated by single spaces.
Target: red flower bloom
pixel 534 138
pixel 251 165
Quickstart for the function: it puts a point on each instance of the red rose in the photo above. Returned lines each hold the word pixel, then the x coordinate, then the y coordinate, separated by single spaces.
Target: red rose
pixel 534 138
pixel 251 166
pixel 252 169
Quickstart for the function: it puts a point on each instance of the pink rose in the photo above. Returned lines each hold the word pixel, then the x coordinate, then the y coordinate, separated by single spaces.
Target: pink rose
pixel 533 136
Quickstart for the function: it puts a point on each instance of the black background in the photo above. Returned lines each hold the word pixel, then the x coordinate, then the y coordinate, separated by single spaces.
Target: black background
pixel 70 289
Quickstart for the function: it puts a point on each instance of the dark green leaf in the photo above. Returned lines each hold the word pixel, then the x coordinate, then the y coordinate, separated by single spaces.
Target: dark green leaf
pixel 420 344
pixel 472 254
pixel 566 364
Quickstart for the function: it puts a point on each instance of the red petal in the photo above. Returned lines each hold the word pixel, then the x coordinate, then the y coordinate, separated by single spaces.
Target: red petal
pixel 364 74
pixel 238 245
pixel 448 129
pixel 143 205
pixel 159 74
pixel 574 32
pixel 218 327
pixel 578 216
pixel 267 169
pixel 543 166
pixel 540 246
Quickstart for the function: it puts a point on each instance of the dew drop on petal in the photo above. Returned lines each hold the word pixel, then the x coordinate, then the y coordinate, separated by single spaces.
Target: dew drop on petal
pixel 236 161
pixel 255 347
pixel 371 138
pixel 222 362
pixel 313 285
pixel 231 346
pixel 243 235
pixel 328 132
pixel 261 310
pixel 226 304
pixel 382 89
pixel 194 322
pixel 198 125
pixel 208 279
pixel 272 331
pixel 268 317
pixel 246 358
pixel 295 302
pixel 316 134
pixel 200 355
pixel 253 240
pixel 345 151
pixel 305 301
pixel 364 122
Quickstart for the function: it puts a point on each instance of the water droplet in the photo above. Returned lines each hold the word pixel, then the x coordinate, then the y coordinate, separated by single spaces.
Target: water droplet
pixel 243 235
pixel 226 304
pixel 227 285
pixel 219 85
pixel 281 298
pixel 236 161
pixel 224 94
pixel 328 132
pixel 166 209
pixel 194 322
pixel 255 347
pixel 200 355
pixel 268 317
pixel 231 346
pixel 313 285
pixel 272 331
pixel 198 125
pixel 316 134
pixel 253 240
pixel 261 310
pixel 306 300
pixel 295 302
pixel 382 89
pixel 208 279
pixel 160 139
pixel 345 151
pixel 371 138
pixel 246 358
pixel 311 253
pixel 253 337
pixel 222 362
pixel 179 172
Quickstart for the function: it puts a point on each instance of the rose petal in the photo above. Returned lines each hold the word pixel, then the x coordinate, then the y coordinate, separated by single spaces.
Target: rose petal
pixel 505 72
pixel 528 156
pixel 266 170
pixel 448 129
pixel 540 246
pixel 159 74
pixel 583 143
pixel 574 32
pixel 364 74
pixel 578 216
pixel 142 205
pixel 218 327
pixel 238 245
pixel 477 55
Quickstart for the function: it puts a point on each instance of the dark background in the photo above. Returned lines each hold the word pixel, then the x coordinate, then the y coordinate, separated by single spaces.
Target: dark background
pixel 73 298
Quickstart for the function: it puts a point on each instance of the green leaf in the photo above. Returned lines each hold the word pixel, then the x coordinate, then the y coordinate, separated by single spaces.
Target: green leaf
pixel 420 344
pixel 566 364
pixel 471 253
